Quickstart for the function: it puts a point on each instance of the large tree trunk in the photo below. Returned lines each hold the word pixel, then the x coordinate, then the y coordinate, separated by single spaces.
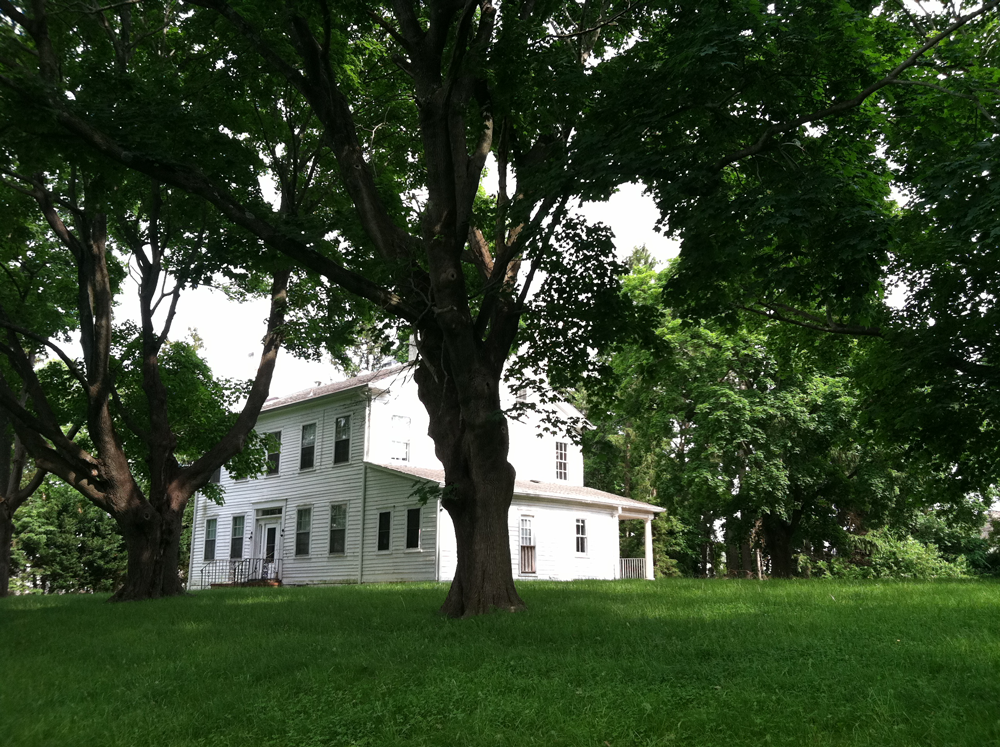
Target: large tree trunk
pixel 778 540
pixel 152 541
pixel 472 443
pixel 484 580
pixel 6 540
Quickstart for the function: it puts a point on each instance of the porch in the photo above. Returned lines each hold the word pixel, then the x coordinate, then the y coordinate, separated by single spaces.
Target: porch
pixel 242 572
pixel 638 567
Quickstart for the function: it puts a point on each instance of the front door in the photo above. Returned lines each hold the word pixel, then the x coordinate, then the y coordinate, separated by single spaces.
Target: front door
pixel 268 546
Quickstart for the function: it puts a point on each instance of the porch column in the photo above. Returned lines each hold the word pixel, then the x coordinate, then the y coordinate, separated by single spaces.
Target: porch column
pixel 648 525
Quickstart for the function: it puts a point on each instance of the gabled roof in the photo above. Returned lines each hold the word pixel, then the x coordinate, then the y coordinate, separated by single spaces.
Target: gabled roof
pixel 355 382
pixel 537 489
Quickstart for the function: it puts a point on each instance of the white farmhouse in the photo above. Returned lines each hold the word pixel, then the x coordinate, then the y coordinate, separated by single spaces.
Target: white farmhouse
pixel 338 504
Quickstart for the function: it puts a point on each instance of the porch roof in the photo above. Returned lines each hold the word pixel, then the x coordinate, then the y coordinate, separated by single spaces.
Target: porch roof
pixel 628 507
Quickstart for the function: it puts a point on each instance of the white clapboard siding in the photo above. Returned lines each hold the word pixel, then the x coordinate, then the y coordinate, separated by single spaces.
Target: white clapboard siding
pixel 554 528
pixel 380 406
pixel 291 488
pixel 393 493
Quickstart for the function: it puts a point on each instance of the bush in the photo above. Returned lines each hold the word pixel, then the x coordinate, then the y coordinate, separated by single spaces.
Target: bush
pixel 883 554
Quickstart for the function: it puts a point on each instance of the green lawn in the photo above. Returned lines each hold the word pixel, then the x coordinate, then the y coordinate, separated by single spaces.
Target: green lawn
pixel 598 663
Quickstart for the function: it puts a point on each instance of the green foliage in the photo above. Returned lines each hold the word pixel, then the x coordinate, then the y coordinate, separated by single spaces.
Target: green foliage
pixel 757 425
pixel 884 553
pixel 62 544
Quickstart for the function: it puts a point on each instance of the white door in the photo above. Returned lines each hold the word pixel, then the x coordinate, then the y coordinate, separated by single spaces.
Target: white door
pixel 267 546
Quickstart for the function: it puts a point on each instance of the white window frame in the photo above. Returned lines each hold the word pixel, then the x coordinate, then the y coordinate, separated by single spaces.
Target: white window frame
pixel 562 460
pixel 420 531
pixel 308 531
pixel 233 536
pixel 303 446
pixel 581 534
pixel 336 440
pixel 400 428
pixel 378 520
pixel 277 461
pixel 527 522
pixel 211 535
pixel 343 529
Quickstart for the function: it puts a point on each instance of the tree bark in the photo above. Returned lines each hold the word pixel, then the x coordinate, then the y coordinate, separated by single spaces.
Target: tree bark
pixel 150 525
pixel 152 541
pixel 484 580
pixel 472 444
pixel 778 540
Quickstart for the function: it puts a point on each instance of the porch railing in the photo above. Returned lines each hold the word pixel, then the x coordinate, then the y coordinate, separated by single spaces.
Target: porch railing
pixel 240 572
pixel 632 568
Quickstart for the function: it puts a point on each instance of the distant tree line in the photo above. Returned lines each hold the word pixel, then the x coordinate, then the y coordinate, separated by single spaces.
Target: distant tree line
pixel 758 437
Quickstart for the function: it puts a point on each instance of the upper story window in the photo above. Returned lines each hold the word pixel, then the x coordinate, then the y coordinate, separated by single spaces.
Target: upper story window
pixel 400 438
pixel 216 476
pixel 342 440
pixel 307 447
pixel 273 452
pixel 562 460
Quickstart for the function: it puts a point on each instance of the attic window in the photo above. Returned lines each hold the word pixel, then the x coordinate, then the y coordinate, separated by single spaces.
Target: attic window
pixel 562 460
pixel 400 438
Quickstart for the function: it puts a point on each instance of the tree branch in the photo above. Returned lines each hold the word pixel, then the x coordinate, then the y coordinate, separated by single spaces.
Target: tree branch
pixel 843 106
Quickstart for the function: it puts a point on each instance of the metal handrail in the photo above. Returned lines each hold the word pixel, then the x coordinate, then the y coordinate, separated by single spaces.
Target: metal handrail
pixel 239 572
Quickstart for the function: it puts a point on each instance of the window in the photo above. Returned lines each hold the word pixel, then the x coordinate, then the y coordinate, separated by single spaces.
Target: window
pixel 581 536
pixel 303 518
pixel 400 438
pixel 273 452
pixel 413 529
pixel 262 512
pixel 527 546
pixel 342 440
pixel 384 531
pixel 562 459
pixel 307 451
pixel 211 526
pixel 216 476
pixel 521 394
pixel 236 539
pixel 338 529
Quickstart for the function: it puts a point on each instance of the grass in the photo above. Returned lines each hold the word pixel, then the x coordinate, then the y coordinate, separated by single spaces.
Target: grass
pixel 591 663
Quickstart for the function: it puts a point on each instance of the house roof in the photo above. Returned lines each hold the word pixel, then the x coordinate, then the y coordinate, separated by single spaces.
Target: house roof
pixel 537 489
pixel 354 382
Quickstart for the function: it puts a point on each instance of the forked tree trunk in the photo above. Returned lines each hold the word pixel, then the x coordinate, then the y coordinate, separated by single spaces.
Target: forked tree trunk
pixel 152 540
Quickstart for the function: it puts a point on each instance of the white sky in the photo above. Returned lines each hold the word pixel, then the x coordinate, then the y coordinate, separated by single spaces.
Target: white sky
pixel 232 332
